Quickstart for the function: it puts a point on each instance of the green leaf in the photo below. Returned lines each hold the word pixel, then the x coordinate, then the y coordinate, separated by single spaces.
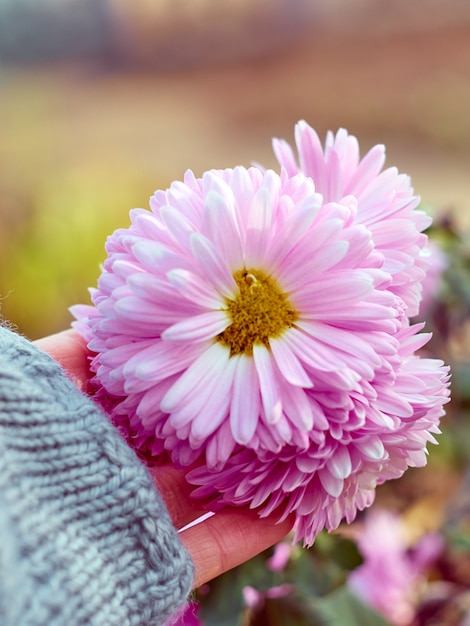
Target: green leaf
pixel 341 608
pixel 223 604
pixel 339 550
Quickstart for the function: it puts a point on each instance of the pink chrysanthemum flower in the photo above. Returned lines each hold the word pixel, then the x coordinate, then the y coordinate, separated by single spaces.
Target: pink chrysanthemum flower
pixel 385 200
pixel 370 437
pixel 249 329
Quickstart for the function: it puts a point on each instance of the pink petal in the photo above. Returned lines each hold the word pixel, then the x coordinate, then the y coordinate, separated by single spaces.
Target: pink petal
pixel 288 364
pixel 367 170
pixel 342 340
pixel 258 231
pixel 147 286
pixel 135 310
pixel 220 225
pixel 297 407
pixel 339 464
pixel 311 155
pixel 325 293
pixel 285 156
pixel 160 360
pixel 302 268
pixel 153 255
pixel 217 406
pixel 311 352
pixel 178 225
pixel 242 185
pixel 196 377
pixel 334 181
pixel 331 484
pixel 244 410
pixel 220 446
pixel 270 395
pixel 372 448
pixel 212 264
pixel 192 287
pixel 116 357
pixel 297 224
pixel 394 404
pixel 149 405
pixel 335 513
pixel 147 223
pixel 195 404
pixel 198 328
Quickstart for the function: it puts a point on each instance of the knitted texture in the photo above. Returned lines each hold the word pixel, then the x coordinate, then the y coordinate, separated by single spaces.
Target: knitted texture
pixel 85 538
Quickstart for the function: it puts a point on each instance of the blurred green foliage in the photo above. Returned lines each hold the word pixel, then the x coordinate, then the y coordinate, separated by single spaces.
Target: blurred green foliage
pixel 56 254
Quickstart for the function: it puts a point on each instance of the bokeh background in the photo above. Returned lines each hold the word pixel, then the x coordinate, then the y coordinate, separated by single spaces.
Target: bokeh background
pixel 104 101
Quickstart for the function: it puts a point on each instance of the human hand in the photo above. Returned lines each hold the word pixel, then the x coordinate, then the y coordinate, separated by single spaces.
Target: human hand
pixel 217 544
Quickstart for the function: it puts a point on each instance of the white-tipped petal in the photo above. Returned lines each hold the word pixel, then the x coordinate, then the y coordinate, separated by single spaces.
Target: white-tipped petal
pixel 269 388
pixel 288 364
pixel 245 406
pixel 195 289
pixel 196 377
pixel 198 328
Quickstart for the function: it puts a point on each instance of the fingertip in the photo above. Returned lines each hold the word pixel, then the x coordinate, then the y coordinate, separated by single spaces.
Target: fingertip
pixel 70 350
pixel 229 538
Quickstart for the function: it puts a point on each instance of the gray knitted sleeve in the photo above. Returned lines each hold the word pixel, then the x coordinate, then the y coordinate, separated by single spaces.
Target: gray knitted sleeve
pixel 85 538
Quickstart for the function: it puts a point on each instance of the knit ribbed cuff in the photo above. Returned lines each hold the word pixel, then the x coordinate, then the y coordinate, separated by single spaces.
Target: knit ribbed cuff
pixel 84 536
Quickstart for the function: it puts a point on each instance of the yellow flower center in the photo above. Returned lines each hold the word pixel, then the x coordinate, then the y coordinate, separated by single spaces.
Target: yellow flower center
pixel 259 310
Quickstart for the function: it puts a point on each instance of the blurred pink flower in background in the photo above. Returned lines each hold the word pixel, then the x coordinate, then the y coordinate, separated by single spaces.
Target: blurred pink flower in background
pixel 258 330
pixel 392 573
pixel 254 599
pixel 282 553
pixel 188 616
pixel 438 262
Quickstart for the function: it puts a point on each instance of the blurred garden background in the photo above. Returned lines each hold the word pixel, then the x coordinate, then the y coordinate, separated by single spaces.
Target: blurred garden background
pixel 104 101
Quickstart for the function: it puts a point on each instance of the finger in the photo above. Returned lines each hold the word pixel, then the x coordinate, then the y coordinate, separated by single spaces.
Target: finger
pixel 69 349
pixel 176 492
pixel 229 538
